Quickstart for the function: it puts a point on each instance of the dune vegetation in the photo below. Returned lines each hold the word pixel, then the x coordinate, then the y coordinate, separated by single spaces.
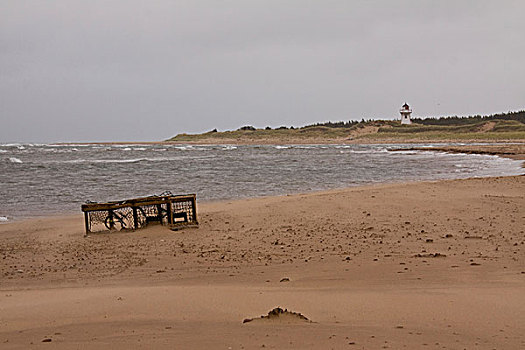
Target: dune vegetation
pixel 499 127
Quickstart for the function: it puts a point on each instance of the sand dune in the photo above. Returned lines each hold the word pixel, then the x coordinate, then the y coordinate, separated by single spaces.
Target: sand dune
pixel 424 265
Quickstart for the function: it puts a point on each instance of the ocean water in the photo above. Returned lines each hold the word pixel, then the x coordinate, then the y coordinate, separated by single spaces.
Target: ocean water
pixel 43 179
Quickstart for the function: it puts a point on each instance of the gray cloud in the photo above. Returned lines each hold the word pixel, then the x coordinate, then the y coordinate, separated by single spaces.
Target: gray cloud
pixel 136 70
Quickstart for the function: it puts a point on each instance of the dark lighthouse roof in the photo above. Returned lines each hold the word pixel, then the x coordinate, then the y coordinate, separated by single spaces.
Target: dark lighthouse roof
pixel 406 106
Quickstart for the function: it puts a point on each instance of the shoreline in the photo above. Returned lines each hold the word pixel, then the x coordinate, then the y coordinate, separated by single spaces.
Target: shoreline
pixel 511 151
pixel 71 214
pixel 212 202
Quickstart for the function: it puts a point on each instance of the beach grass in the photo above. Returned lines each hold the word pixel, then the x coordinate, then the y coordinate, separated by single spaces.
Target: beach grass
pixel 380 131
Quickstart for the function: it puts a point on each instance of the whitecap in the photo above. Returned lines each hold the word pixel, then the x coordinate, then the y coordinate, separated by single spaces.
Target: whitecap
pixel 362 152
pixel 132 160
pixel 67 145
pixel 281 147
pixel 403 152
pixel 129 145
pixel 191 148
pixel 3 151
pixel 21 147
pixel 75 161
pixel 14 160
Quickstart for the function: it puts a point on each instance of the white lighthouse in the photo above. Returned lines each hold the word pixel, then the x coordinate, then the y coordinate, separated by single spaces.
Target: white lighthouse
pixel 405 114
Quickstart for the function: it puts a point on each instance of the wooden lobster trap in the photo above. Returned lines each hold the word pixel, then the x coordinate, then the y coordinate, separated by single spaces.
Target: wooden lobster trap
pixel 136 213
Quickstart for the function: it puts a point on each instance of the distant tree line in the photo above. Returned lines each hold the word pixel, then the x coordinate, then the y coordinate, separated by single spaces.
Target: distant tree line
pixel 341 124
pixel 455 120
pixel 452 120
pixel 443 121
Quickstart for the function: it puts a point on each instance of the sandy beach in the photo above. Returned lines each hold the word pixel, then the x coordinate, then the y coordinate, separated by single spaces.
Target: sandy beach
pixel 417 265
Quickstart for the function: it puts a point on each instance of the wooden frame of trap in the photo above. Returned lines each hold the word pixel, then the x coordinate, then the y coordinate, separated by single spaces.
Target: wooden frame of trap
pixel 173 211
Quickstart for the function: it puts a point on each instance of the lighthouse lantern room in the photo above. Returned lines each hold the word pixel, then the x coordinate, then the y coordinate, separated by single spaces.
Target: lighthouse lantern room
pixel 405 114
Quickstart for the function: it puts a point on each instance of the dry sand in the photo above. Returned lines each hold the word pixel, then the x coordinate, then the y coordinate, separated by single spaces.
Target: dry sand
pixel 437 265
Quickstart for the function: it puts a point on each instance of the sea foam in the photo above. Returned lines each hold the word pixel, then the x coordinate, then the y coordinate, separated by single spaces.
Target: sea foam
pixel 132 160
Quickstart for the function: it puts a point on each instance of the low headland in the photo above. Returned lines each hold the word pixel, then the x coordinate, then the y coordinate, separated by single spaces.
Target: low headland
pixel 505 127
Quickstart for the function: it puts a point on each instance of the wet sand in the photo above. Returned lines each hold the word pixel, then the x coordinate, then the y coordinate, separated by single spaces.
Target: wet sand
pixel 513 151
pixel 438 265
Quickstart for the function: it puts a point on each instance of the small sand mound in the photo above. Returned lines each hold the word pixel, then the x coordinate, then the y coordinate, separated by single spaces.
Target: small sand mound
pixel 365 130
pixel 279 315
pixel 488 126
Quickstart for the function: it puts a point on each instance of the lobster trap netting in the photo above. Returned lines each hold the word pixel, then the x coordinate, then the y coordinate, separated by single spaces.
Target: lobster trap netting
pixel 114 220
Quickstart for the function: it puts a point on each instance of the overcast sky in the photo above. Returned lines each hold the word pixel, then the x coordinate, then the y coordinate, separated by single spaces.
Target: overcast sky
pixel 146 70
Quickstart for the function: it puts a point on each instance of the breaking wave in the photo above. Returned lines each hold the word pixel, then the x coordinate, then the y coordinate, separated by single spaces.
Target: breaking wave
pixel 133 160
